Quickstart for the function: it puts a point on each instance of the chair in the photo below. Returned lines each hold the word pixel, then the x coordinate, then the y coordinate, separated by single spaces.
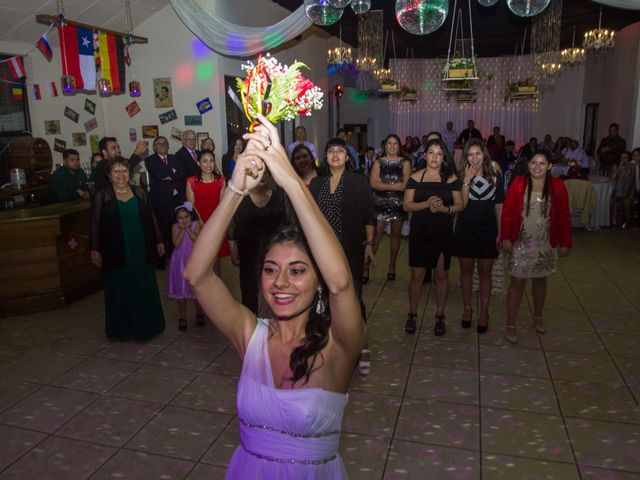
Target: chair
pixel 582 201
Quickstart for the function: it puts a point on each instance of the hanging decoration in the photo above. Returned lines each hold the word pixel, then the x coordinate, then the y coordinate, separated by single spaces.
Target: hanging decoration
pixel 527 8
pixel 460 68
pixel 388 85
pixel 134 85
pixel 521 89
pixel 545 42
pixel 487 3
pixel 360 6
pixel 321 12
pixel 573 56
pixel 339 59
pixel 421 17
pixel 279 92
pixel 370 53
pixel 236 40
pixel 598 40
pixel 339 3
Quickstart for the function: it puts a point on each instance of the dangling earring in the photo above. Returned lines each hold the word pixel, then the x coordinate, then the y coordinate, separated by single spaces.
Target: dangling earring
pixel 320 306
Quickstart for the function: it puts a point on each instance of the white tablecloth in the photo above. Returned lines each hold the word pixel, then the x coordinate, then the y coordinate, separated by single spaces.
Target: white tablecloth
pixel 600 216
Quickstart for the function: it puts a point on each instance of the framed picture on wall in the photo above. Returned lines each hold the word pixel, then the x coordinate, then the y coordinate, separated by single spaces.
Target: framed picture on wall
pixel 162 92
pixel 200 136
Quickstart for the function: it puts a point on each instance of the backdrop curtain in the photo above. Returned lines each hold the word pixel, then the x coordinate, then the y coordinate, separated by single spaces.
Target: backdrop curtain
pixel 235 40
pixel 433 109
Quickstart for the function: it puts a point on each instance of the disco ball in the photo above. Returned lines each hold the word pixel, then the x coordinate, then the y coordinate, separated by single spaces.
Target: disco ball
pixel 527 8
pixel 487 3
pixel 360 6
pixel 321 12
pixel 339 3
pixel 421 16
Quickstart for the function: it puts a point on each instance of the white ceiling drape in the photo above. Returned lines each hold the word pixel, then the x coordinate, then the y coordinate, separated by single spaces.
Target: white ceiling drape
pixel 626 4
pixel 235 40
pixel 433 109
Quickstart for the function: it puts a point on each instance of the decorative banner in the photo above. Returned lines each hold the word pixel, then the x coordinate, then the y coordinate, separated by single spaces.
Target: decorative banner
pixel 79 139
pixel 162 92
pixel 94 141
pixel 52 127
pixel 91 124
pixel 59 145
pixel 36 92
pixel 176 134
pixel 204 105
pixel 193 120
pixel 71 114
pixel 89 106
pixel 150 131
pixel 167 117
pixel 132 109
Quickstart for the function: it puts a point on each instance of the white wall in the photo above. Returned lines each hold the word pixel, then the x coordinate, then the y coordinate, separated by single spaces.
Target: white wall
pixel 170 53
pixel 560 108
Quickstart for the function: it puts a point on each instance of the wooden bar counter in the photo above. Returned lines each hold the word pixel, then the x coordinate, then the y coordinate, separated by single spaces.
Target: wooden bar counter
pixel 44 257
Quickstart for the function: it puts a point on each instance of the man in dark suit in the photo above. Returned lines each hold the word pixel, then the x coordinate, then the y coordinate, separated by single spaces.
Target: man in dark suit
pixel 188 154
pixel 167 187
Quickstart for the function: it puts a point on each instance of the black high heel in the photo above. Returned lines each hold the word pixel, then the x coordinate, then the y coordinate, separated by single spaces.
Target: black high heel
pixel 182 324
pixel 365 276
pixel 410 326
pixel 391 275
pixel 439 327
pixel 482 328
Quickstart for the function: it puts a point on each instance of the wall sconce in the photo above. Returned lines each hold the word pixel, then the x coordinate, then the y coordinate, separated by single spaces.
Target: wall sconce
pixel 68 83
pixel 134 88
pixel 104 87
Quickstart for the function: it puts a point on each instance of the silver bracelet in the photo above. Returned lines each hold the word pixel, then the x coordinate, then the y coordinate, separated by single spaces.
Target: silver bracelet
pixel 235 190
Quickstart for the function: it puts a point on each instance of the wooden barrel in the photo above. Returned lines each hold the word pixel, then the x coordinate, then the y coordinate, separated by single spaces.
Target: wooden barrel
pixel 33 155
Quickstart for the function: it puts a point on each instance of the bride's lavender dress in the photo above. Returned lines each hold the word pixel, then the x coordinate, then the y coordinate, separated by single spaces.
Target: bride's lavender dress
pixel 284 434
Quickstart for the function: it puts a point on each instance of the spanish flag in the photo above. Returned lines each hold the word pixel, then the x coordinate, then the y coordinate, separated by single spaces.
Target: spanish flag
pixel 111 50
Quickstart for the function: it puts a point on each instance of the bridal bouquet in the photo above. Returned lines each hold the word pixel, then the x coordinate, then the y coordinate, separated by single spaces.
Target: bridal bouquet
pixel 279 92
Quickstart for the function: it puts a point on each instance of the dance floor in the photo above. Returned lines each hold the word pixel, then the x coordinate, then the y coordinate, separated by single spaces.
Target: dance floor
pixel 563 405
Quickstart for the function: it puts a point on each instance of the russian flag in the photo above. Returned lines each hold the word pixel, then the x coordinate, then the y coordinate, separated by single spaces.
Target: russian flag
pixel 76 50
pixel 45 47
pixel 17 68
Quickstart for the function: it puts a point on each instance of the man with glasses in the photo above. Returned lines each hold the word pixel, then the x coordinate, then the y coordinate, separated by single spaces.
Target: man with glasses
pixel 188 154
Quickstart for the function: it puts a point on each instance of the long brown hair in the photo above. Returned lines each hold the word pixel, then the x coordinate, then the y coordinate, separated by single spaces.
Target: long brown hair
pixel 488 171
pixel 546 190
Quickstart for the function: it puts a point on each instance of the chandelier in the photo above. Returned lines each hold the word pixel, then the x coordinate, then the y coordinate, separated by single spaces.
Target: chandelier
pixel 339 59
pixel 551 69
pixel 367 64
pixel 598 39
pixel 381 74
pixel 572 56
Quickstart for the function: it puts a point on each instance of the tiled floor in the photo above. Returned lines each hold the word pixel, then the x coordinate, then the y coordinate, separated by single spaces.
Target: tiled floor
pixel 563 405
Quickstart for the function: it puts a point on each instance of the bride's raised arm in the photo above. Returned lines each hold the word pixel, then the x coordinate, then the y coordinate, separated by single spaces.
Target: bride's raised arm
pixel 347 325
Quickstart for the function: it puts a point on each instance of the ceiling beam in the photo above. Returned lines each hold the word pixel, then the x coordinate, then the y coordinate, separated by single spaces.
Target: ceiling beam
pixel 55 20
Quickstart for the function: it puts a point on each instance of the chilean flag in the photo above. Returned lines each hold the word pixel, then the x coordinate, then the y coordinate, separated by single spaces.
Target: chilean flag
pixel 76 50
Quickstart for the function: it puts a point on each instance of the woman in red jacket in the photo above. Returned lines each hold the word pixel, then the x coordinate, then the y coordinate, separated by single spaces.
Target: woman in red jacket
pixel 535 220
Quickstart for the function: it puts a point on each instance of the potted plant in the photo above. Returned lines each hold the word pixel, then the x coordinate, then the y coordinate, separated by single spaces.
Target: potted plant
pixel 520 89
pixel 458 68
pixel 408 94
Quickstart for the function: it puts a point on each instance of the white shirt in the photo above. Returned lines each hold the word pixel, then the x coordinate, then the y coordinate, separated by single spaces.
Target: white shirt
pixel 449 138
pixel 309 145
pixel 578 155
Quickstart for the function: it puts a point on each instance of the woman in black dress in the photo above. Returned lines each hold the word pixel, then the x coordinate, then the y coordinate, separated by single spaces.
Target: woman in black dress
pixel 388 179
pixel 259 217
pixel 433 195
pixel 476 233
pixel 346 201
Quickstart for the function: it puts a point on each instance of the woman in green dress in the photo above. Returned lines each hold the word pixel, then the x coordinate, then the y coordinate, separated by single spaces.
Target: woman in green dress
pixel 125 243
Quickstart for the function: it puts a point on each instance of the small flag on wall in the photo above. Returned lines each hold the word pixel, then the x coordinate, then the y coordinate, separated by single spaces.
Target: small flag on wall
pixel 45 47
pixel 53 89
pixel 17 68
pixel 16 93
pixel 36 92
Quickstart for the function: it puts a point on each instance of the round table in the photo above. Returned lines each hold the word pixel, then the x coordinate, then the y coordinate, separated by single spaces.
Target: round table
pixel 604 187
